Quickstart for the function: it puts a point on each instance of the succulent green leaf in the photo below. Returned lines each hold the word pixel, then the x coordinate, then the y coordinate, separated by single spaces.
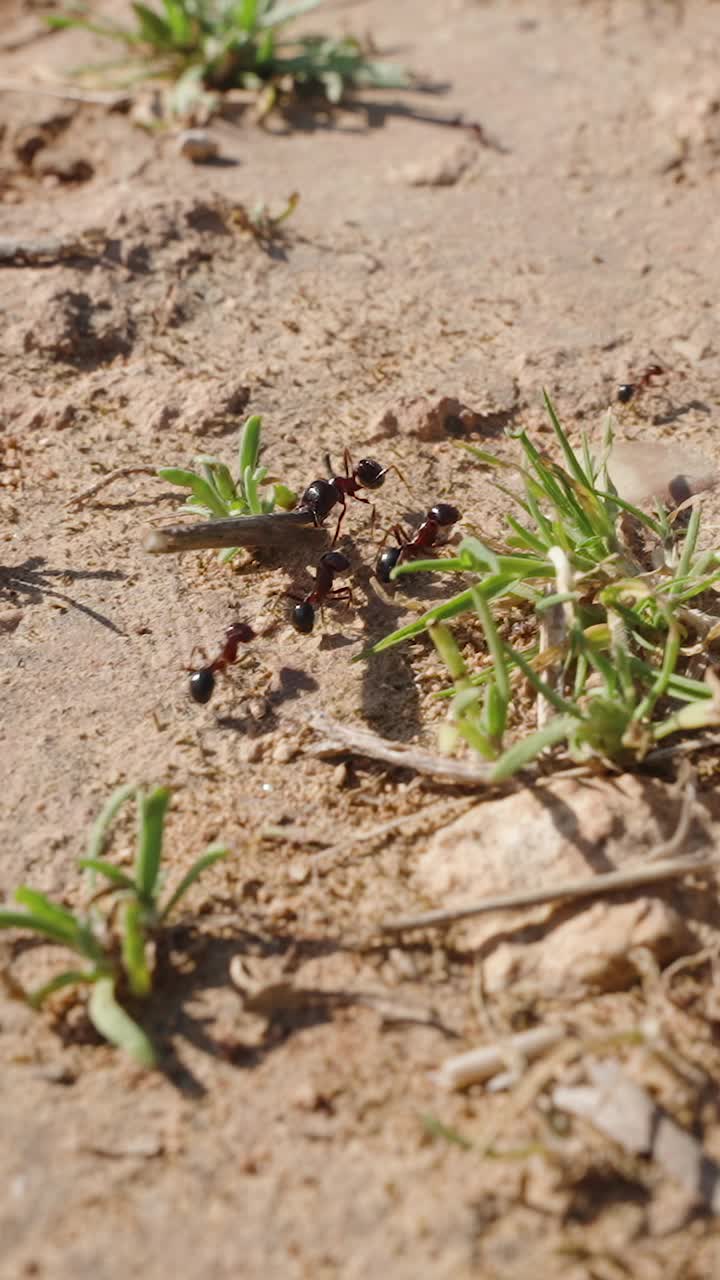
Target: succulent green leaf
pixel 115 1025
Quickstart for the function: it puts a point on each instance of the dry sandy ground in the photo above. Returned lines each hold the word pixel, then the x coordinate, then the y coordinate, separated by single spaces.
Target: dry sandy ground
pixel 581 244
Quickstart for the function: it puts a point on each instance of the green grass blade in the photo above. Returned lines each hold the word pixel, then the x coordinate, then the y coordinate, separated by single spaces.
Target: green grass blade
pixel 523 753
pixel 115 1025
pixel 279 14
pixel 106 817
pixel 55 917
pixel 109 870
pixel 250 443
pixel 70 978
pixel 212 855
pixel 133 950
pixel 154 30
pixel 151 816
pixel 38 924
pixel 202 492
pixel 568 451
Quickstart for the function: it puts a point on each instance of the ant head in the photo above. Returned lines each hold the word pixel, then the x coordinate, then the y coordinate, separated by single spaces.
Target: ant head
pixel 336 561
pixel 444 514
pixel 386 562
pixel 240 632
pixel 202 685
pixel 303 617
pixel 625 392
pixel 370 474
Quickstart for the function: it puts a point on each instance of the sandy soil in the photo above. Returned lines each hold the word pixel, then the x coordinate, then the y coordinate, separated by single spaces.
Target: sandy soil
pixel 576 247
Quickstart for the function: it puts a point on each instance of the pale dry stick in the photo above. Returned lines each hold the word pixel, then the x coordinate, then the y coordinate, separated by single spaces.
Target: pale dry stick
pixel 119 473
pixel 329 857
pixel 554 625
pixel 656 867
pixel 478 1065
pixel 99 99
pixel 338 737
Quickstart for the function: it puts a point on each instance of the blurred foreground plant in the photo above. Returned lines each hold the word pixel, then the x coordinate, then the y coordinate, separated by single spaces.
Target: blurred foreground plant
pixel 114 934
pixel 224 44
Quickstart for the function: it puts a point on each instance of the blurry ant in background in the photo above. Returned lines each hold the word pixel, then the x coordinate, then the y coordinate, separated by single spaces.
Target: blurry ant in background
pixel 330 564
pixel 628 391
pixel 202 680
pixel 439 519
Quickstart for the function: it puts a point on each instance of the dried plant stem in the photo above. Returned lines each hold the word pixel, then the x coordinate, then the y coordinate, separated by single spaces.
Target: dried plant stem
pixel 657 866
pixel 477 1065
pixel 118 474
pixel 613 882
pixel 337 737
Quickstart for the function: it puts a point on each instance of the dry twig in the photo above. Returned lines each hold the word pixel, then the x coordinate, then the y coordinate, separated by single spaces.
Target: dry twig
pixel 656 867
pixel 473 1067
pixel 118 474
pixel 337 738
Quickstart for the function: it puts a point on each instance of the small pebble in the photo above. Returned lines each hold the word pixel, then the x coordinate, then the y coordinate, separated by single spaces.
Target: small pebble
pixel 10 619
pixel 258 708
pixel 197 146
pixel 250 751
pixel 340 774
pixel 298 871
pixel 284 752
pixel 58 1073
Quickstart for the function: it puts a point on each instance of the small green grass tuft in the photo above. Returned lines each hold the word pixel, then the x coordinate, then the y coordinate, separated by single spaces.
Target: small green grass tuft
pixel 225 44
pixel 612 633
pixel 216 495
pixel 115 942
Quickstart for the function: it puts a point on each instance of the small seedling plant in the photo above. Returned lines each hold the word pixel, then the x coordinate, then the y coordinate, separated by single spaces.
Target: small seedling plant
pixel 612 635
pixel 215 494
pixel 225 44
pixel 114 936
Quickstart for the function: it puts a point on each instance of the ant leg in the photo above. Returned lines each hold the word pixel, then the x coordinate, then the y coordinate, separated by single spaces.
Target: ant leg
pixel 348 463
pixel 340 595
pixel 202 652
pixel 398 472
pixel 398 532
pixel 341 517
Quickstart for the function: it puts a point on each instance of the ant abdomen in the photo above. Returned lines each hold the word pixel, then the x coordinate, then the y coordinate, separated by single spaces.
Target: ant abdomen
pixel 386 562
pixel 202 685
pixel 303 617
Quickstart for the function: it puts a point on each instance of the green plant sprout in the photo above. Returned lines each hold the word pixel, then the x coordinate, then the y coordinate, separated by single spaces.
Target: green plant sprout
pixel 115 944
pixel 216 495
pixel 613 634
pixel 224 44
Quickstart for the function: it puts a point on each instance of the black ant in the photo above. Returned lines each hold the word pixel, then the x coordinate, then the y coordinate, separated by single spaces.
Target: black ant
pixel 629 390
pixel 202 681
pixel 331 563
pixel 438 519
pixel 322 495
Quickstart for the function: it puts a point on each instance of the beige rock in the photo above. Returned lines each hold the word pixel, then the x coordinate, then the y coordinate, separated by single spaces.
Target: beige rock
pixel 570 829
pixel 591 951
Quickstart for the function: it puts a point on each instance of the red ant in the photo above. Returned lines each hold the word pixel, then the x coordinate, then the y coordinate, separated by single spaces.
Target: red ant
pixel 322 495
pixel 438 519
pixel 331 563
pixel 628 390
pixel 202 681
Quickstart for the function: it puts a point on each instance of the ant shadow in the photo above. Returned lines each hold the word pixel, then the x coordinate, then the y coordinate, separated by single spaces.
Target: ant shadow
pixel 292 683
pixel 680 411
pixel 28 583
pixel 203 968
